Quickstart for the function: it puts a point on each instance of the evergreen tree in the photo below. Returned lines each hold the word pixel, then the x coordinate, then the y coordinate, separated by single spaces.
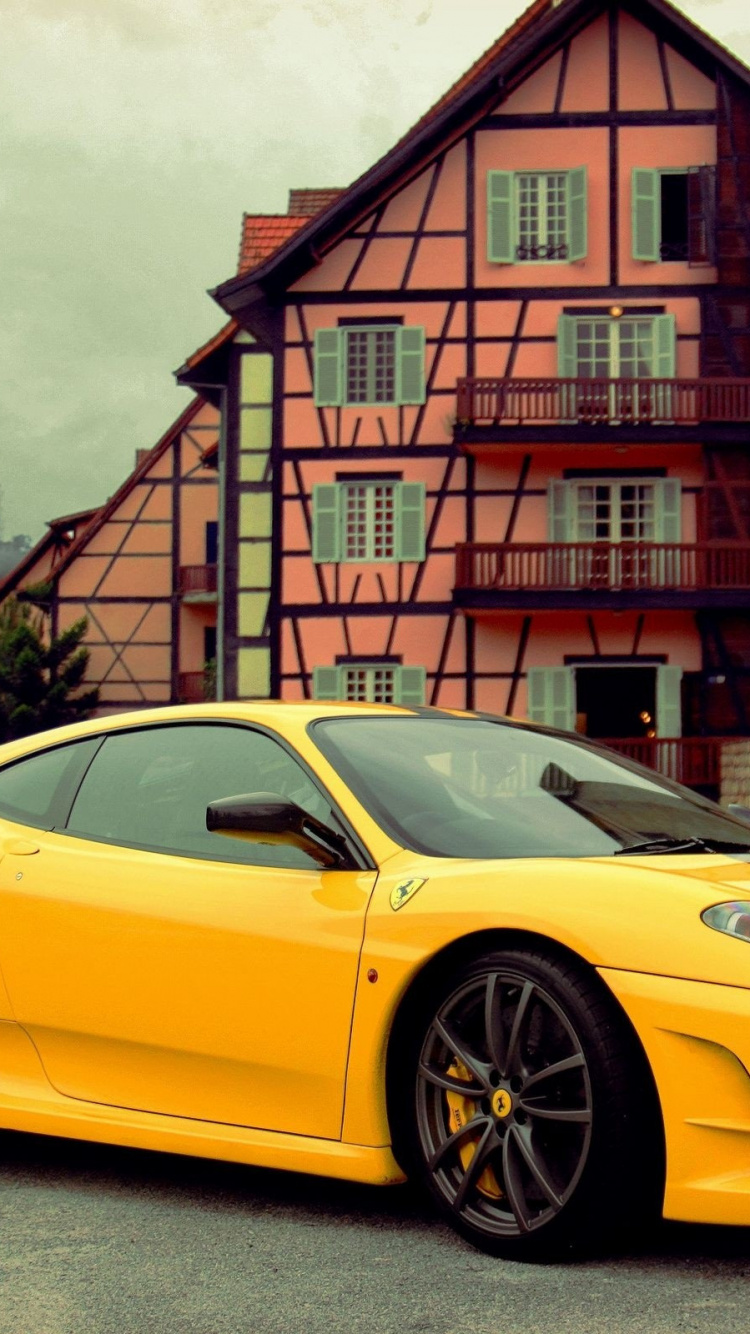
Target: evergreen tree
pixel 40 677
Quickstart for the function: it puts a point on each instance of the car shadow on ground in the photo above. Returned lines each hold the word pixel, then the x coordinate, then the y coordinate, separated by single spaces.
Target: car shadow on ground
pixel 214 1186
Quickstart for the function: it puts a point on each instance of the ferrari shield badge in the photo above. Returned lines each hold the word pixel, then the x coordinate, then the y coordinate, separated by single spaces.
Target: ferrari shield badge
pixel 403 891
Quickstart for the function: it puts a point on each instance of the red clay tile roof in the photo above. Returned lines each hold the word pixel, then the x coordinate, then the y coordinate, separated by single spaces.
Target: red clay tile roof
pixel 262 234
pixel 535 10
pixel 306 203
pixel 218 340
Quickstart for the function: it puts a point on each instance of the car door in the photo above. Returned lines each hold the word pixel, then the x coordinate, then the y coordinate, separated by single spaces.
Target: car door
pixel 159 967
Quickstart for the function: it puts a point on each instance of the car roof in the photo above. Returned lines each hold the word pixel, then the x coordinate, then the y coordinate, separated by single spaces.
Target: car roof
pixel 297 713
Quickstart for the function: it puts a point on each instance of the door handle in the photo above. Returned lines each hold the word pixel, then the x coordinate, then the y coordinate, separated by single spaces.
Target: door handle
pixel 19 847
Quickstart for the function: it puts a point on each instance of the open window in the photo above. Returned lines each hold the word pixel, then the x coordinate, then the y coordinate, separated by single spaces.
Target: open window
pixel 674 214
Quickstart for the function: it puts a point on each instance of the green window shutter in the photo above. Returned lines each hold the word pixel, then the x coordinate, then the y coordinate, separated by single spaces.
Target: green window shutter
pixel 326 683
pixel 561 498
pixel 668 498
pixel 410 353
pixel 646 201
pixel 501 228
pixel 567 352
pixel 577 214
pixel 410 507
pixel 668 701
pixel 410 686
pixel 567 365
pixel 665 341
pixel 551 696
pixel 328 376
pixel 326 523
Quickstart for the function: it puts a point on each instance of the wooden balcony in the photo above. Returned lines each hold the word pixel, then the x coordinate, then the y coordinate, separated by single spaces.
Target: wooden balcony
pixel 198 583
pixel 692 760
pixel 620 575
pixel 679 408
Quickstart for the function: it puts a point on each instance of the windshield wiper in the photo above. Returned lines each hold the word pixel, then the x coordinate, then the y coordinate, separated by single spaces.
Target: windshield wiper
pixel 676 845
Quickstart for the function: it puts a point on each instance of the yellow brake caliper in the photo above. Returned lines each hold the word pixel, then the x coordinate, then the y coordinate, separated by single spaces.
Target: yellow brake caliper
pixel 460 1110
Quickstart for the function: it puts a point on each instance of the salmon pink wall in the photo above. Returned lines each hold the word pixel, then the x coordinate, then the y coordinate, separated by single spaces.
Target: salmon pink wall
pixel 545 150
pixel 587 78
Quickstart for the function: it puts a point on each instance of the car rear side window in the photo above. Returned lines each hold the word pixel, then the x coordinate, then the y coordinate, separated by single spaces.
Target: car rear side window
pixel 150 789
pixel 38 790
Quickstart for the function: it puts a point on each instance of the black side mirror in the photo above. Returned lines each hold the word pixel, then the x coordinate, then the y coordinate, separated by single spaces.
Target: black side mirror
pixel 266 817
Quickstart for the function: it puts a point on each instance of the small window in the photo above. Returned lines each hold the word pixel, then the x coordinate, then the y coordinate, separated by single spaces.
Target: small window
pixel 370 356
pixel 536 216
pixel 150 789
pixel 371 683
pixel 369 365
pixel 212 542
pixel 368 521
pixel 37 791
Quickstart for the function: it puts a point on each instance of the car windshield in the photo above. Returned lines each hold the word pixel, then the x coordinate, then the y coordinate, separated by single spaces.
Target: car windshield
pixel 473 787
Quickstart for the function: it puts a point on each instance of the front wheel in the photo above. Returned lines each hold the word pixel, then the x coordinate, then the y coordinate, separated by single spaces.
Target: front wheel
pixel 530 1113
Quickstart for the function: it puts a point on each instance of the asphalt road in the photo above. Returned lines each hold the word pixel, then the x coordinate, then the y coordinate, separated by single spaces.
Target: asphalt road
pixel 107 1241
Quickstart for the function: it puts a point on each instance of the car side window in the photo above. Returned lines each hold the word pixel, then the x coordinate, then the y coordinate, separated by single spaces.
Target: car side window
pixel 151 788
pixel 37 791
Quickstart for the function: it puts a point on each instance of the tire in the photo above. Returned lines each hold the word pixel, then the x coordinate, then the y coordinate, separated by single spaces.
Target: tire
pixel 523 1102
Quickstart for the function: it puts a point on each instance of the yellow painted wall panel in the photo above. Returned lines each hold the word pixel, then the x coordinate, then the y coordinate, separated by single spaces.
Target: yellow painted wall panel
pixel 255 428
pixel 253 467
pixel 252 610
pixel 255 514
pixel 255 565
pixel 256 379
pixel 253 673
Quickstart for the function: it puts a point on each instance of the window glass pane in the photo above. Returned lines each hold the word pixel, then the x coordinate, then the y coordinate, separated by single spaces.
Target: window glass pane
pixel 28 788
pixel 375 685
pixel 369 521
pixel 541 207
pixel 466 788
pixel 371 365
pixel 152 788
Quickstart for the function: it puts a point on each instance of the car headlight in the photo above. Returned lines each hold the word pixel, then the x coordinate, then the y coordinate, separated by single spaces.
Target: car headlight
pixel 731 918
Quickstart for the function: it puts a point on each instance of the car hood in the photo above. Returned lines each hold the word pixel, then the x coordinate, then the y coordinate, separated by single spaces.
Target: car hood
pixel 637 913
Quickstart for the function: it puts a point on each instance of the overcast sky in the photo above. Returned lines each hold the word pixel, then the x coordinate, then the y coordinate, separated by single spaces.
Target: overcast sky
pixel 134 135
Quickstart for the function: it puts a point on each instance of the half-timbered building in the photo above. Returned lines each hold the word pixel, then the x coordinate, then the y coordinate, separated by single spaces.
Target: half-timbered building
pixel 486 414
pixel 142 570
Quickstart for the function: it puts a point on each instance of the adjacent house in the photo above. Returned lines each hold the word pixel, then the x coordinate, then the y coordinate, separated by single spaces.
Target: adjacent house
pixel 142 570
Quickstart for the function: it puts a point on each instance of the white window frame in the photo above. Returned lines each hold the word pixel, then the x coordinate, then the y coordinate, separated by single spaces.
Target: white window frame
pixel 542 179
pixel 371 537
pixel 370 331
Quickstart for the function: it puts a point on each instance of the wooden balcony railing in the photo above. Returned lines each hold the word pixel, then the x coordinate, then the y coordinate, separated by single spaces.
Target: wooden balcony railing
pixel 692 760
pixel 198 579
pixel 518 402
pixel 601 565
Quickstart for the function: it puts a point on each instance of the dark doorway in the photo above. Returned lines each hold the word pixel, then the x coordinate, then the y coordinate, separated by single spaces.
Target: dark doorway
pixel 616 701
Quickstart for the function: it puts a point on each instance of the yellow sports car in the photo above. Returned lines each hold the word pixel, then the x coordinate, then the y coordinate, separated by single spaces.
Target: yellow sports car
pixel 369 941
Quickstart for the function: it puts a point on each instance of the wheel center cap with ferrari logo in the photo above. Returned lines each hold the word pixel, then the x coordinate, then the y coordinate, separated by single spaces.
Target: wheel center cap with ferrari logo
pixel 501 1103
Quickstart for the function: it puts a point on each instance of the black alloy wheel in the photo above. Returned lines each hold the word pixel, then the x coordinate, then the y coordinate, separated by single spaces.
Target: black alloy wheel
pixel 525 1082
